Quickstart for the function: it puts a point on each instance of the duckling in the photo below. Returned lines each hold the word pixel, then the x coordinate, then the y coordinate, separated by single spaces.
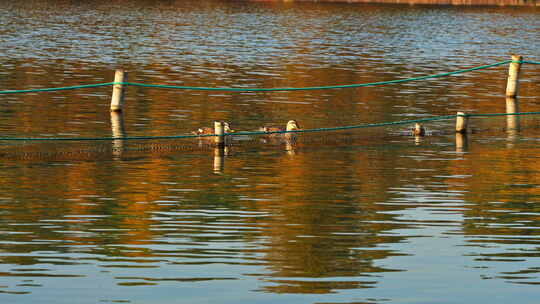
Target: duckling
pixel 291 125
pixel 208 130
pixel 418 130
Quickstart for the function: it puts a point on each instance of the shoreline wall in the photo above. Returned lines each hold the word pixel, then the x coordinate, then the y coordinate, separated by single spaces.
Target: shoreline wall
pixel 427 2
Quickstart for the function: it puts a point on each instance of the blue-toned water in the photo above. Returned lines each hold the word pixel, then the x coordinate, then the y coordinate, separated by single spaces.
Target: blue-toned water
pixel 358 216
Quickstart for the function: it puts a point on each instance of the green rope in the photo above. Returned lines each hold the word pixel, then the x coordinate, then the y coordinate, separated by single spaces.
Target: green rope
pixel 266 89
pixel 369 125
pixel 321 87
pixel 59 89
pixel 400 122
pixel 501 114
pixel 260 89
pixel 99 138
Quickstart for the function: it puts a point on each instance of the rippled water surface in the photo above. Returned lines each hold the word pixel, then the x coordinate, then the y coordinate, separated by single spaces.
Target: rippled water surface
pixel 367 215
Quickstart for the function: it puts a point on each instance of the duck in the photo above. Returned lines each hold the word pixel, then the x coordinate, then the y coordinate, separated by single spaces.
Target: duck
pixel 291 125
pixel 210 131
pixel 418 130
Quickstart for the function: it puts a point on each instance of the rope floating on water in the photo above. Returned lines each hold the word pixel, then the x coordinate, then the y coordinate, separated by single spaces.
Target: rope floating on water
pixel 119 82
pixel 266 89
pixel 322 87
pixel 248 133
pixel 84 86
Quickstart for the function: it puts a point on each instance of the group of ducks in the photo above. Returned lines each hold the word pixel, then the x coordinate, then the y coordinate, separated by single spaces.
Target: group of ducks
pixel 291 126
pixel 418 129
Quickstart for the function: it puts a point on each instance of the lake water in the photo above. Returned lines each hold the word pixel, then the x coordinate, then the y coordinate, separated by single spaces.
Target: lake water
pixel 357 216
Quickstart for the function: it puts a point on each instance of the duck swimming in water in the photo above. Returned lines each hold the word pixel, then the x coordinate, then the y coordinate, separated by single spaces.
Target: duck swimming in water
pixel 291 125
pixel 209 131
pixel 418 130
pixel 279 138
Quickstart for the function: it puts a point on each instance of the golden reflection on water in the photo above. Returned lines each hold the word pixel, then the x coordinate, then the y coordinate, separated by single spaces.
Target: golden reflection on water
pixel 337 214
pixel 293 219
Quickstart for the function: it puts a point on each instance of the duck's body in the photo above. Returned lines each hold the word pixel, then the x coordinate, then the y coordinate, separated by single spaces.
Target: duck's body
pixel 291 126
pixel 203 131
pixel 210 131
pixel 276 137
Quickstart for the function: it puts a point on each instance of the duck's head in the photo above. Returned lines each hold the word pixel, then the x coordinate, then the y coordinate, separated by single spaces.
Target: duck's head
pixel 418 130
pixel 227 128
pixel 292 125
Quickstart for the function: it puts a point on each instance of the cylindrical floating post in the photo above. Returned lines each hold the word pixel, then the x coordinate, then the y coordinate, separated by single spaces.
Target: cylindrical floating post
pixel 219 131
pixel 513 76
pixel 462 122
pixel 117 99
